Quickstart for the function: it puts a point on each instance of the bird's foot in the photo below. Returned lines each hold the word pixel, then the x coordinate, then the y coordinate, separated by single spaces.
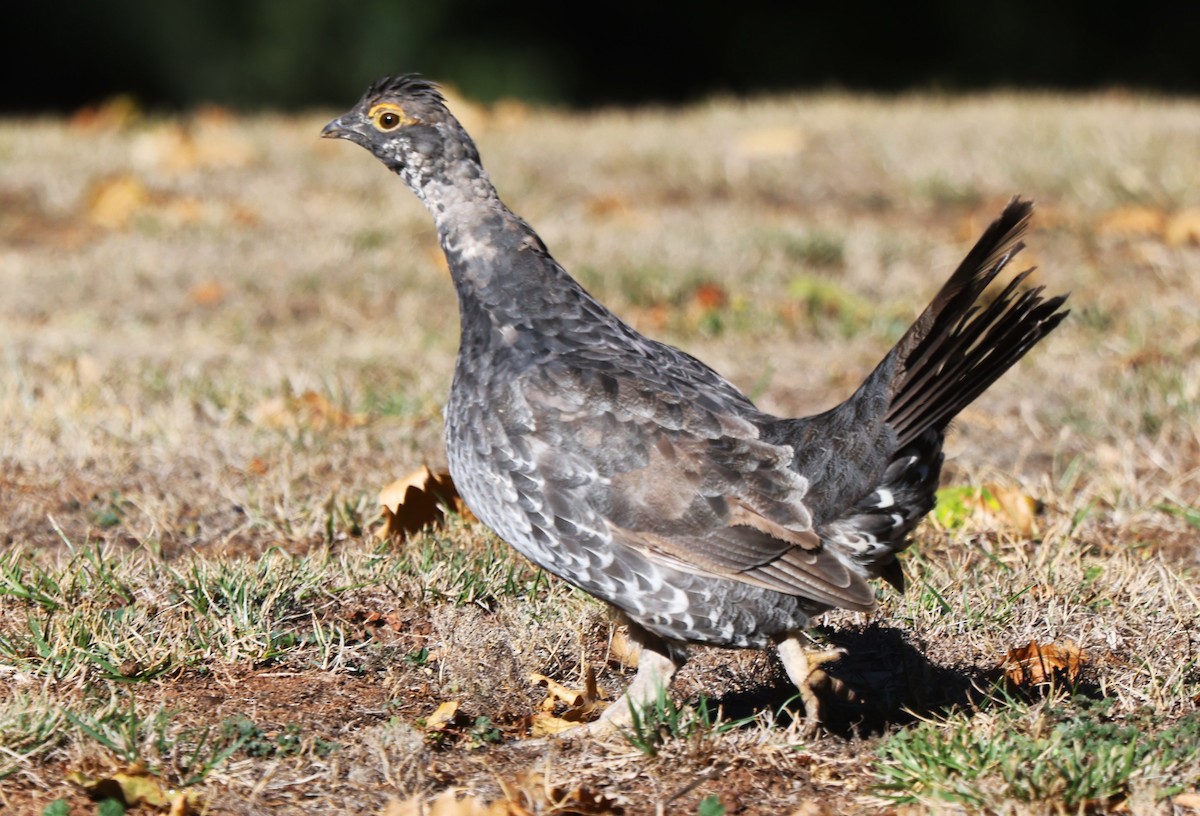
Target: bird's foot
pixel 803 668
pixel 655 670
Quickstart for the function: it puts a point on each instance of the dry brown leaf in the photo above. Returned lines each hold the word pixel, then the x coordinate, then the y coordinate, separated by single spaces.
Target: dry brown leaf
pixel 557 692
pixel 447 803
pixel 309 410
pixel 535 793
pixel 624 649
pixel 207 293
pixel 258 467
pixel 710 296
pixel 114 201
pixel 418 500
pixel 542 724
pixel 324 414
pixel 1133 221
pixel 116 113
pixel 1189 800
pixel 1040 663
pixel 1184 228
pixel 581 706
pixel 607 205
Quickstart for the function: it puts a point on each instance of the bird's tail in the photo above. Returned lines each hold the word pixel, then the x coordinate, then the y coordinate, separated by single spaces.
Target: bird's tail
pixel 956 349
pixel 958 346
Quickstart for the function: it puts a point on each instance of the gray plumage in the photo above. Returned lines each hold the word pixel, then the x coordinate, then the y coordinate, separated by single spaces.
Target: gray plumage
pixel 634 471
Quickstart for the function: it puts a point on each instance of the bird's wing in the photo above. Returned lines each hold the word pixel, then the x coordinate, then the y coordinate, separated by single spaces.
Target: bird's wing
pixel 676 471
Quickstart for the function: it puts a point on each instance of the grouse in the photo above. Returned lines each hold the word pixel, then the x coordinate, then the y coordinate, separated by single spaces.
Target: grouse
pixel 637 473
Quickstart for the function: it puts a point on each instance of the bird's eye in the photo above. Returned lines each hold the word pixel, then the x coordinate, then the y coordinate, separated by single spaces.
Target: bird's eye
pixel 388 120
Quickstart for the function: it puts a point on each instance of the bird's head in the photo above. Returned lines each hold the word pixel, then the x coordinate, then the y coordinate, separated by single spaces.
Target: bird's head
pixel 404 121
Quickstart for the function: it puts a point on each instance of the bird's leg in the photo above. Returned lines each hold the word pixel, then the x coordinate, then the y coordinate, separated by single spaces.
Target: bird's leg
pixel 804 670
pixel 656 667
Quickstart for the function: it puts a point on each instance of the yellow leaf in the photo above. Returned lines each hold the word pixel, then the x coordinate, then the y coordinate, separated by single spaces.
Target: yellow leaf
pixel 442 716
pixel 181 804
pixel 547 725
pixel 1133 221
pixel 115 113
pixel 1184 228
pixel 114 201
pixel 131 788
pixel 1020 508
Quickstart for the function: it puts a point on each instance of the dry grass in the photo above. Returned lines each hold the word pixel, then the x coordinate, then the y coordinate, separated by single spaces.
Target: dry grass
pixel 221 337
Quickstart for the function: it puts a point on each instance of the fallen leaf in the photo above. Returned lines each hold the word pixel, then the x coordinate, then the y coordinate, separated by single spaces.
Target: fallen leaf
pixel 258 467
pixel 989 507
pixel 581 706
pixel 419 499
pixel 1041 663
pixel 1133 221
pixel 116 113
pixel 441 717
pixel 323 414
pixel 447 803
pixel 1189 800
pixel 1021 508
pixel 607 205
pixel 1184 228
pixel 542 724
pixel 624 649
pixel 181 804
pixel 135 787
pixel 207 293
pixel 309 410
pixel 710 296
pixel 114 201
pixel 557 691
pixel 534 792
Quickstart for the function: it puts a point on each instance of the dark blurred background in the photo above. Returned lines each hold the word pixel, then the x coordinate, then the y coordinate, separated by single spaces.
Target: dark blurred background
pixel 288 54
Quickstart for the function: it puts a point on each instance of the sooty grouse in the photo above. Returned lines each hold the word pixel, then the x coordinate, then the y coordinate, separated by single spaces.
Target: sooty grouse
pixel 637 473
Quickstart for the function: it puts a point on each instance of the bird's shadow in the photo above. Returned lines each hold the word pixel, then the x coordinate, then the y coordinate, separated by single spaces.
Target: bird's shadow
pixel 889 680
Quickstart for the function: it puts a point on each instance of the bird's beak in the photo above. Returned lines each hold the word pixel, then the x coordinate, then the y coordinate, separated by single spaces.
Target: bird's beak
pixel 335 130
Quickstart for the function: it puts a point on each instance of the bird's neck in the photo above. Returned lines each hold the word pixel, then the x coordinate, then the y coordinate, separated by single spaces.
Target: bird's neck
pixel 505 278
